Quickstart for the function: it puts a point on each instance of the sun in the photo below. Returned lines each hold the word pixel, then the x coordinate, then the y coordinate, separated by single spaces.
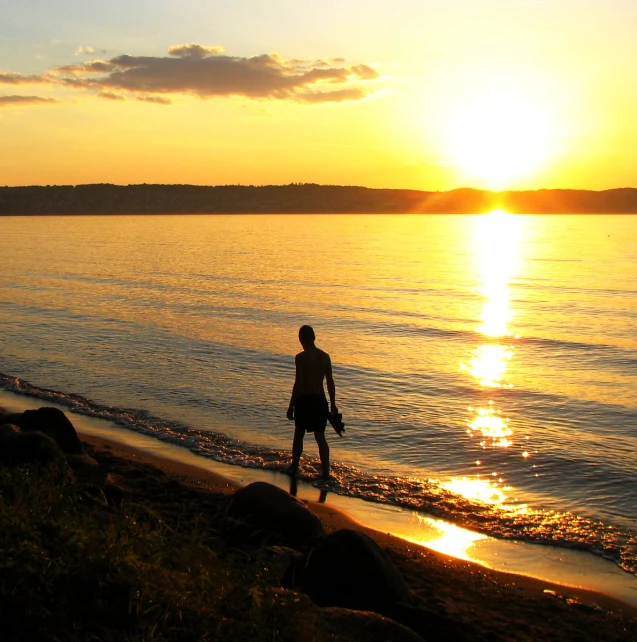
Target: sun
pixel 498 138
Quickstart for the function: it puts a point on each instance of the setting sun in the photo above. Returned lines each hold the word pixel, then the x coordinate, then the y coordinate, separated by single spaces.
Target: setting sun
pixel 499 137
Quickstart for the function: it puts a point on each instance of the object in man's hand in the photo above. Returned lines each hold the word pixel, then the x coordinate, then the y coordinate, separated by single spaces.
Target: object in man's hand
pixel 336 421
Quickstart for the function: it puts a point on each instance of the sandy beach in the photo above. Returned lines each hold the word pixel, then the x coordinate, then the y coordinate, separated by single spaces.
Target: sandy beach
pixel 493 605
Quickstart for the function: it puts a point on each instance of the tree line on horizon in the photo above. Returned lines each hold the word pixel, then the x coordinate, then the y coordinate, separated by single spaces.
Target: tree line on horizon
pixel 302 198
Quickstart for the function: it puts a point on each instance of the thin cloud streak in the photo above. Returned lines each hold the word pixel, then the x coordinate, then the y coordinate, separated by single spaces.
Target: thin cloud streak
pixel 158 100
pixel 12 78
pixel 6 101
pixel 109 95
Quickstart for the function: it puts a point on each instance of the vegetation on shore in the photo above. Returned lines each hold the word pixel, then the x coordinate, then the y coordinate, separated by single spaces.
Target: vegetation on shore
pixel 300 198
pixel 74 568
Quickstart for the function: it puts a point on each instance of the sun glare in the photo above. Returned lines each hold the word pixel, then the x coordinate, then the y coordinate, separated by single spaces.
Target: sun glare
pixel 497 247
pixel 451 540
pixel 499 138
pixel 482 490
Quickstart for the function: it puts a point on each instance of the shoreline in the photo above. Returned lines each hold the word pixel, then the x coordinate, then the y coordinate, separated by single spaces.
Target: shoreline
pixel 336 513
pixel 334 519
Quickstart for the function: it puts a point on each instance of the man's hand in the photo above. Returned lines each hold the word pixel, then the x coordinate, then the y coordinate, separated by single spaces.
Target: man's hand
pixel 290 413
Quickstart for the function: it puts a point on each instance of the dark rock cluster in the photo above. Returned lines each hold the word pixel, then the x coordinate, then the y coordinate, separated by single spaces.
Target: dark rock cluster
pixel 346 573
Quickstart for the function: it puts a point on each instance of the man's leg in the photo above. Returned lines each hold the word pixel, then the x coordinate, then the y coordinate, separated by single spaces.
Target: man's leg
pixel 297 448
pixel 324 452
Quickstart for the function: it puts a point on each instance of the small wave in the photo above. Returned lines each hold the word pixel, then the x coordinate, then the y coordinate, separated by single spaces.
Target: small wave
pixel 516 521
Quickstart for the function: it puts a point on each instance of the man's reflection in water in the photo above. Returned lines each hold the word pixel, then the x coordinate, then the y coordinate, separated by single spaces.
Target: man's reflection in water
pixel 294 489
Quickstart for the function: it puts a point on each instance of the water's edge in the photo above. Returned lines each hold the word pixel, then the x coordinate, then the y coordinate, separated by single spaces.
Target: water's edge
pixel 514 523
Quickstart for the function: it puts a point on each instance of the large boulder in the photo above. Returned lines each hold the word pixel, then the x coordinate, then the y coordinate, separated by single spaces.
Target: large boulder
pixel 349 570
pixel 268 508
pixel 54 423
pixel 17 447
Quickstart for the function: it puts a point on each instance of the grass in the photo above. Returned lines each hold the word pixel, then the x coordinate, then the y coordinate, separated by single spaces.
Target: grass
pixel 74 568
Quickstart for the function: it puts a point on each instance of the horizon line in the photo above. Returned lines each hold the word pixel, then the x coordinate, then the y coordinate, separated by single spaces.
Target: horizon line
pixel 311 184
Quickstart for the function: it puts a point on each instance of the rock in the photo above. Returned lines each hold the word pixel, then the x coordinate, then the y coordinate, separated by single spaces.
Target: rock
pixel 86 469
pixel 348 569
pixel 54 423
pixel 363 626
pixel 8 432
pixel 7 417
pixel 433 625
pixel 266 507
pixel 282 559
pixel 114 491
pixel 283 555
pixel 17 447
pixel 82 462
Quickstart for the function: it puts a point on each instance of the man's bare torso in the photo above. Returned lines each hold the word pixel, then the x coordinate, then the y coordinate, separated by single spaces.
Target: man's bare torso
pixel 312 366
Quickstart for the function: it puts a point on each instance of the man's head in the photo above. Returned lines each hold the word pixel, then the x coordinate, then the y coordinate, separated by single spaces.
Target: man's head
pixel 306 335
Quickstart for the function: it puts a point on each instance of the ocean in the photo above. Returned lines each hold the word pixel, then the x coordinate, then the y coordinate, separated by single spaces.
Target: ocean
pixel 485 365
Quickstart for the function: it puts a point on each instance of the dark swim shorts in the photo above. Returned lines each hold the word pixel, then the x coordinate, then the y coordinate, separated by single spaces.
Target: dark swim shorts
pixel 310 412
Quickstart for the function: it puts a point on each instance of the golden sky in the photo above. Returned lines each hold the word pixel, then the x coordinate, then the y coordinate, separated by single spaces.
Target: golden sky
pixel 410 94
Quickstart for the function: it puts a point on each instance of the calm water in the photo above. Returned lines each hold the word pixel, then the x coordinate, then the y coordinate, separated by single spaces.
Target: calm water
pixel 486 366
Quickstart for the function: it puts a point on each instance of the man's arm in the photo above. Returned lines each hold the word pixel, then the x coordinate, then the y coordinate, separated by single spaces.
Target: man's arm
pixel 331 387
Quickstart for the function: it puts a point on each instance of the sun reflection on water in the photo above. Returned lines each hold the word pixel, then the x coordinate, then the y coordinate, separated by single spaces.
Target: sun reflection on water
pixel 482 490
pixel 496 242
pixel 492 426
pixel 497 248
pixel 489 364
pixel 447 538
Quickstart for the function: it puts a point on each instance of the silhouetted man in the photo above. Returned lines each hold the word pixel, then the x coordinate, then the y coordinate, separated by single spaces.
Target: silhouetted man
pixel 308 405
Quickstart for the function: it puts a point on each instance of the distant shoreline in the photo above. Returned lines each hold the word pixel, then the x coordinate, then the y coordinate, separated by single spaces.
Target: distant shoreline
pixel 301 198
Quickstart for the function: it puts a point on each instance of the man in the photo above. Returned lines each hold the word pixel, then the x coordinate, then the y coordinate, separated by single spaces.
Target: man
pixel 308 405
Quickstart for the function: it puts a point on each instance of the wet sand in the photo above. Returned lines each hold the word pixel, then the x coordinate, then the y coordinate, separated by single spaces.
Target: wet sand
pixel 495 605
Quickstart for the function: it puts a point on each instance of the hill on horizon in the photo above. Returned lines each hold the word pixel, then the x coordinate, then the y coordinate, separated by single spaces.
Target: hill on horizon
pixel 302 198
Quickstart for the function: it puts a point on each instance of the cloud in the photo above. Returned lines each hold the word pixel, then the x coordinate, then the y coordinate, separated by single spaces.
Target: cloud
pixel 338 95
pixel 109 95
pixel 11 78
pixel 88 50
pixel 194 51
pixel 6 101
pixel 207 72
pixel 158 100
